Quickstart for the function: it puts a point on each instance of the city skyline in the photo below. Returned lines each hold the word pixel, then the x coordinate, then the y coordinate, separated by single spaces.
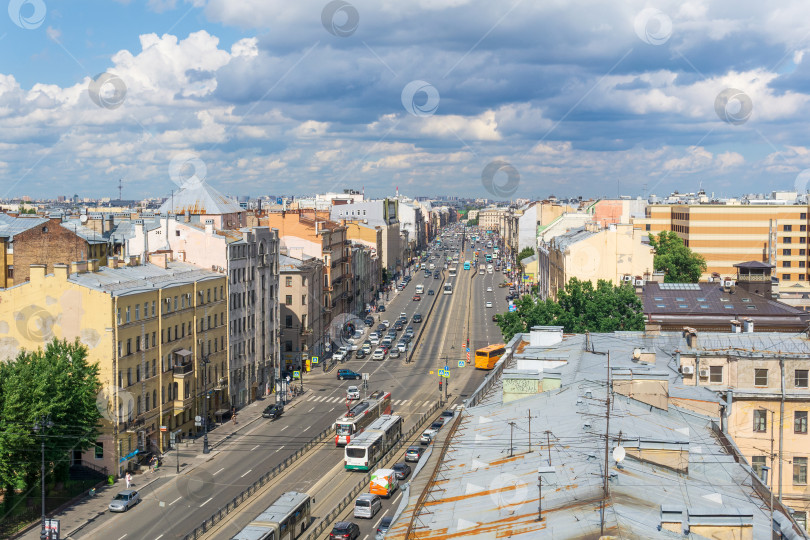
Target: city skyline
pixel 462 98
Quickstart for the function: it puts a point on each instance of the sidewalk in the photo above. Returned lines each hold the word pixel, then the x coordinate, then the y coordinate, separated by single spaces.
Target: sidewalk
pixel 85 511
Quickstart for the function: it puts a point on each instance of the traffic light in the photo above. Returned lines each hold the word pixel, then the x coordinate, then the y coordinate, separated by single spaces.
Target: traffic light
pixel 440 386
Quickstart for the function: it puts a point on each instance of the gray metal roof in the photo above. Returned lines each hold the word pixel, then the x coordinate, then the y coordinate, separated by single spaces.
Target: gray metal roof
pixel 483 491
pixel 88 235
pixel 200 199
pixel 565 240
pixel 136 279
pixel 10 225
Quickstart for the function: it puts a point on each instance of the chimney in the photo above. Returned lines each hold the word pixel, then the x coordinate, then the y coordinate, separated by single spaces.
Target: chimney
pixel 92 265
pixel 133 260
pixel 78 267
pixel 748 325
pixel 37 273
pixel 691 337
pixel 735 326
pixel 61 271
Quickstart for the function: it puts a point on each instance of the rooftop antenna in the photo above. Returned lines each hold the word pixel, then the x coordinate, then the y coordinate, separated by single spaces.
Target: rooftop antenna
pixel 120 189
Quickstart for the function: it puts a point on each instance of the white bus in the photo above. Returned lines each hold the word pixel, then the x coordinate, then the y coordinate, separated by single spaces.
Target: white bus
pixel 448 288
pixel 360 416
pixel 367 449
pixel 285 519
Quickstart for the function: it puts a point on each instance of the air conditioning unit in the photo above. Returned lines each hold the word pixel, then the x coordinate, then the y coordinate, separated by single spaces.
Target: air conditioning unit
pixel 687 370
pixel 639 283
pixel 728 283
pixel 627 277
pixel 704 373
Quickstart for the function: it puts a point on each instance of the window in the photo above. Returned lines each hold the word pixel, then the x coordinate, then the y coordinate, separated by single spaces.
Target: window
pixel 760 377
pixel 288 281
pixel 716 374
pixel 787 228
pixel 785 264
pixel 760 420
pixel 175 303
pixel 137 343
pixel 138 312
pixel 802 215
pixel 786 277
pixel 647 227
pixel 153 308
pixel 129 346
pixel 288 321
pixel 800 378
pixel 803 228
pixel 799 471
pixel 119 315
pixel 786 240
pixel 288 346
pixel 99 450
pixel 785 252
pixel 288 300
pixel 758 463
pixel 802 252
pixel 800 422
pixel 127 319
pixel 303 299
pixel 801 518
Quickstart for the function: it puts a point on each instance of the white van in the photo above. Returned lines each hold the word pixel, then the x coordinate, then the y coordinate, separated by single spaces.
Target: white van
pixel 432 266
pixel 367 506
pixel 420 289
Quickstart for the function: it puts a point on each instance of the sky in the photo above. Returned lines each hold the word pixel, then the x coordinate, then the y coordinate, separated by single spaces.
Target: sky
pixel 470 98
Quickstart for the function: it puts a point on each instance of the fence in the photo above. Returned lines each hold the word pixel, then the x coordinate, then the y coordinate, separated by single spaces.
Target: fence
pixel 327 520
pixel 220 514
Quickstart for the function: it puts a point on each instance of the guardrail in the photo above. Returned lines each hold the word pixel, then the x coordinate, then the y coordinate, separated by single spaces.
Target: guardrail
pixel 220 514
pixel 327 520
pixel 493 375
pixel 409 354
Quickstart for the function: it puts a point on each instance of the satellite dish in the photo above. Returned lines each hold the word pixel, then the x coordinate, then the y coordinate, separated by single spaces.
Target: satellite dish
pixel 618 454
pixel 636 353
pixel 83 218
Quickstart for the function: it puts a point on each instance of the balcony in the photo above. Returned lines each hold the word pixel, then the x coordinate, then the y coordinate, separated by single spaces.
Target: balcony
pixel 180 405
pixel 222 383
pixel 183 370
pixel 306 331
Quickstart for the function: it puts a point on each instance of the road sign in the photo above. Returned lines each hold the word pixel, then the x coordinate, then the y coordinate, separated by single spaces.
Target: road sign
pixel 468 349
pixel 164 429
pixel 446 368
pixel 461 363
pixel 296 374
pixel 315 360
pixel 444 373
pixel 365 376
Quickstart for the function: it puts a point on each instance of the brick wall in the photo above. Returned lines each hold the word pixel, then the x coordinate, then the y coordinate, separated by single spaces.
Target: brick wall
pixel 47 244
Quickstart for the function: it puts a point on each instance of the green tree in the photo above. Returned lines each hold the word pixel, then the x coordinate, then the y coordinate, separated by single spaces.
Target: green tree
pixel 472 222
pixel 24 210
pixel 525 252
pixel 679 263
pixel 58 382
pixel 580 307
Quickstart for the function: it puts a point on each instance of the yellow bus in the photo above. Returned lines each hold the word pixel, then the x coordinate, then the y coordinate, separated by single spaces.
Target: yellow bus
pixel 486 357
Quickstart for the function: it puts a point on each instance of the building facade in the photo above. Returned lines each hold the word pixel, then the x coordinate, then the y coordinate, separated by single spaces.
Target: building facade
pixel 302 317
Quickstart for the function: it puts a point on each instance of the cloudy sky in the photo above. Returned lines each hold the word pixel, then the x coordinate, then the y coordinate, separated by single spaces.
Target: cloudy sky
pixel 472 98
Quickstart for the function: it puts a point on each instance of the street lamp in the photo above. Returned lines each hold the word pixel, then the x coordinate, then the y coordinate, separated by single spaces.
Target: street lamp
pixel 40 426
pixel 204 361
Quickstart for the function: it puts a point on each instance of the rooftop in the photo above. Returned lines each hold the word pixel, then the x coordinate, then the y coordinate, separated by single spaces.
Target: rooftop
pixel 136 279
pixel 199 198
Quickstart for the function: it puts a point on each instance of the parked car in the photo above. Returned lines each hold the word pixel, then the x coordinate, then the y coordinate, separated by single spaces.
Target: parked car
pixel 124 500
pixel 273 411
pixel 348 374
pixel 448 413
pixel 414 453
pixel 437 424
pixel 403 470
pixel 345 530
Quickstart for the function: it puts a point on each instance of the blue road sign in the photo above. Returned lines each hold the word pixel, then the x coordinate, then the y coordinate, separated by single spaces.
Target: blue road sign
pixel 461 363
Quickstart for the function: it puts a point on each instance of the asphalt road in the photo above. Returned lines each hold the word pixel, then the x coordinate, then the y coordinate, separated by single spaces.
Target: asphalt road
pixel 172 507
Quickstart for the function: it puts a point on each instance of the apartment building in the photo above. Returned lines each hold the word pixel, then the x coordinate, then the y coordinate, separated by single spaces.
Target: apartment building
pixel 48 241
pixel 301 314
pixel 382 213
pixel 592 253
pixel 763 379
pixel 158 332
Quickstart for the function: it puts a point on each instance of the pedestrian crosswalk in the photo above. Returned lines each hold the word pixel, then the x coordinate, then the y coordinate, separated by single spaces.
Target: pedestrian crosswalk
pixel 395 403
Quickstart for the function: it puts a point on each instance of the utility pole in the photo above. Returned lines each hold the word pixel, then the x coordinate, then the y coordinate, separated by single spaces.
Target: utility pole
pixel 540 498
pixel 530 430
pixel 511 432
pixel 548 445
pixel 607 448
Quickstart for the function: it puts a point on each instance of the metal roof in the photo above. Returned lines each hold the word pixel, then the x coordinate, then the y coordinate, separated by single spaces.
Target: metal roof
pixel 10 225
pixel 136 279
pixel 486 489
pixel 199 198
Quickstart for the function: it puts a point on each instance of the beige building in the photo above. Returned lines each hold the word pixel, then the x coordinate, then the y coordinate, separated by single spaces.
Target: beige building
pixel 301 313
pixel 157 331
pixel 593 253
pixel 765 386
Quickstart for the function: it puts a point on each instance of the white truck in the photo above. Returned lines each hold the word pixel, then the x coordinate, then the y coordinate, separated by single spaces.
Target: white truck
pixel 420 289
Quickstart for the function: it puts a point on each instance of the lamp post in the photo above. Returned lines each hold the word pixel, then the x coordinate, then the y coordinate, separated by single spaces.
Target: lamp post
pixel 204 361
pixel 41 425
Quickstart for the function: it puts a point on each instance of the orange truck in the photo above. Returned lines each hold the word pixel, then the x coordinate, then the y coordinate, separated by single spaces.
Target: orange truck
pixel 383 482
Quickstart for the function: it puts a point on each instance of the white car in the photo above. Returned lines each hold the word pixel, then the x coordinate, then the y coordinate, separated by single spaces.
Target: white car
pixel 386 323
pixel 374 338
pixel 402 346
pixel 353 393
pixel 379 354
pixel 340 355
pixel 489 304
pixel 489 289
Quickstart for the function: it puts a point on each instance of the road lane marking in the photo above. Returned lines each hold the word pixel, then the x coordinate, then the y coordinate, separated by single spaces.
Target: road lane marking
pixel 123 536
pixel 206 502
pixel 174 501
pixel 159 537
pixel 311 398
pixel 246 473
pixel 312 409
pixel 279 448
pixel 255 447
pixel 306 428
pixel 219 471
pixel 285 427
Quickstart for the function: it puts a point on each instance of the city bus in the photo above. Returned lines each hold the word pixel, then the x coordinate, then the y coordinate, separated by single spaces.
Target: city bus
pixel 452 271
pixel 285 519
pixel 448 288
pixel 360 416
pixel 489 258
pixel 367 449
pixel 487 357
pixel 466 265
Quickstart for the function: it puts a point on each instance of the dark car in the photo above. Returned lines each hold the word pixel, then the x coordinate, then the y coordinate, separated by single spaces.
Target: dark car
pixel 402 470
pixel 369 321
pixel 448 413
pixel 348 374
pixel 417 317
pixel 360 354
pixel 345 529
pixel 398 325
pixel 436 275
pixel 431 292
pixel 414 453
pixel 495 318
pixel 437 424
pixel 273 411
pixel 381 308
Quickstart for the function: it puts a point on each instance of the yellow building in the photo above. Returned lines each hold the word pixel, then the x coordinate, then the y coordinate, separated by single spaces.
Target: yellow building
pixel 592 253
pixel 149 327
pixel 767 403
